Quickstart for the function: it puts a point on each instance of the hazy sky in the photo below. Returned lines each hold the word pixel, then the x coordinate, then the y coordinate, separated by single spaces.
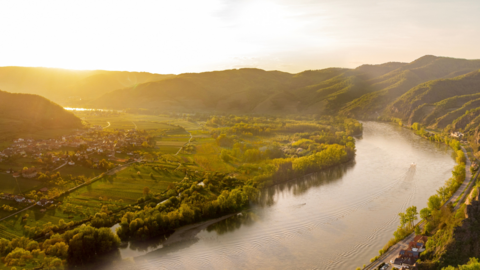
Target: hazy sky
pixel 201 35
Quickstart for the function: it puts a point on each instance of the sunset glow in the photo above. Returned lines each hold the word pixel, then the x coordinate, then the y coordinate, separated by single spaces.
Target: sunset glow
pixel 195 36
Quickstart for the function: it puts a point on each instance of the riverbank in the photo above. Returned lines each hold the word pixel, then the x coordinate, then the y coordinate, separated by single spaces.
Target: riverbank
pixel 389 253
pixel 333 219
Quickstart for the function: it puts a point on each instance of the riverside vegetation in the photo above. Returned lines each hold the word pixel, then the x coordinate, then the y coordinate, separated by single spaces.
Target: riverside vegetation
pixel 438 218
pixel 436 96
pixel 219 168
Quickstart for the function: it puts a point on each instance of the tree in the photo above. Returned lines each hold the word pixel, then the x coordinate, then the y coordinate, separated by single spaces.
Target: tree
pixel 224 155
pixel 443 193
pixel 461 157
pixel 416 126
pixel 425 213
pixel 412 215
pixel 434 202
pixel 86 242
pixel 403 220
pixel 417 230
pixel 146 191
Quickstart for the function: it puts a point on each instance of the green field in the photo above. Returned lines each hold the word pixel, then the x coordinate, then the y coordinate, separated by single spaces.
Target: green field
pixel 128 121
pixel 22 185
pixel 18 164
pixel 77 170
pixel 119 190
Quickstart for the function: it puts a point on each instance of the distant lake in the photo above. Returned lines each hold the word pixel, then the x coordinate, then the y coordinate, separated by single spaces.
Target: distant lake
pixel 336 219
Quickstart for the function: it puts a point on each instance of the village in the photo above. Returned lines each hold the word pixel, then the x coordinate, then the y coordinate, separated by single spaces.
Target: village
pixel 407 258
pixel 84 151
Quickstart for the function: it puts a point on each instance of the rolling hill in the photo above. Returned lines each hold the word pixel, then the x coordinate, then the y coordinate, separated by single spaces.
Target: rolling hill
pixel 438 92
pixel 363 92
pixel 66 86
pixel 26 114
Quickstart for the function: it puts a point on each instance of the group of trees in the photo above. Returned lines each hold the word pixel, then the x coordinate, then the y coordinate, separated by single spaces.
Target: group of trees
pixel 21 251
pixel 264 126
pixel 473 264
pixel 77 246
pixel 316 145
pixel 187 202
pixel 332 155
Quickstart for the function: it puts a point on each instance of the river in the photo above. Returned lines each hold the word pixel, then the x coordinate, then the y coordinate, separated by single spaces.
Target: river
pixel 336 219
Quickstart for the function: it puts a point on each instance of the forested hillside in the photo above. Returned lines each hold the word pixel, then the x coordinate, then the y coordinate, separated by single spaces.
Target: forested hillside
pixel 63 85
pixel 26 113
pixel 436 92
pixel 365 92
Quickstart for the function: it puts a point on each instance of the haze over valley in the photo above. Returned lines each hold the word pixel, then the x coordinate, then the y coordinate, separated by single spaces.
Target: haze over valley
pixel 266 134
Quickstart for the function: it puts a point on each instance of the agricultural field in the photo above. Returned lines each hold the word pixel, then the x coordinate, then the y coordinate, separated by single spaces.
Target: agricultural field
pixel 18 164
pixel 170 144
pixel 9 185
pixel 128 184
pixel 125 121
pixel 77 170
pixel 116 191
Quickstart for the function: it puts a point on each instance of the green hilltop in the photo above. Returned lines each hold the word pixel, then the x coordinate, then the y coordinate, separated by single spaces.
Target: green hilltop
pixel 33 115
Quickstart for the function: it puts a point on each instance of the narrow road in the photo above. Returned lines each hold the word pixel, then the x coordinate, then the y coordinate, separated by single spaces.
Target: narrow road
pixel 24 209
pixel 134 124
pixel 191 136
pixel 109 172
pixel 464 188
pixel 108 125
pixel 61 166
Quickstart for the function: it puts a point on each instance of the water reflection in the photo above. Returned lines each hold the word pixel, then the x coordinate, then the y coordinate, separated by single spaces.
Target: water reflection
pixel 246 218
pixel 301 185
pixel 336 219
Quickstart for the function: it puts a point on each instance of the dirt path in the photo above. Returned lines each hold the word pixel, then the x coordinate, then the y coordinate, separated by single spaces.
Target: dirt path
pixel 191 136
pixel 60 166
pixel 18 212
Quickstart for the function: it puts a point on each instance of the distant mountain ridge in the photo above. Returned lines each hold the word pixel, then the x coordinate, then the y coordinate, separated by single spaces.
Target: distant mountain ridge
pixel 434 91
pixel 62 85
pixel 364 92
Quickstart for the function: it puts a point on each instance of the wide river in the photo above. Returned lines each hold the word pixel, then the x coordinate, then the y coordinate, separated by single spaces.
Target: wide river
pixel 337 219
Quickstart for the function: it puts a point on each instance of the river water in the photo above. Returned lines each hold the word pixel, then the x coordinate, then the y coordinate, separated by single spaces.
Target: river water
pixel 337 219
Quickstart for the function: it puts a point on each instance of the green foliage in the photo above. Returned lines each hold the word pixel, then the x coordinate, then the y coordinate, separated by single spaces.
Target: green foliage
pixel 473 264
pixel 333 154
pixel 86 243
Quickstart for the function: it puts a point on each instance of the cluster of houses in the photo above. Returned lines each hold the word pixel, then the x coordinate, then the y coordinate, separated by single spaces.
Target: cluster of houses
pixel 17 198
pixel 408 257
pixel 21 199
pixel 88 142
pixel 456 134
